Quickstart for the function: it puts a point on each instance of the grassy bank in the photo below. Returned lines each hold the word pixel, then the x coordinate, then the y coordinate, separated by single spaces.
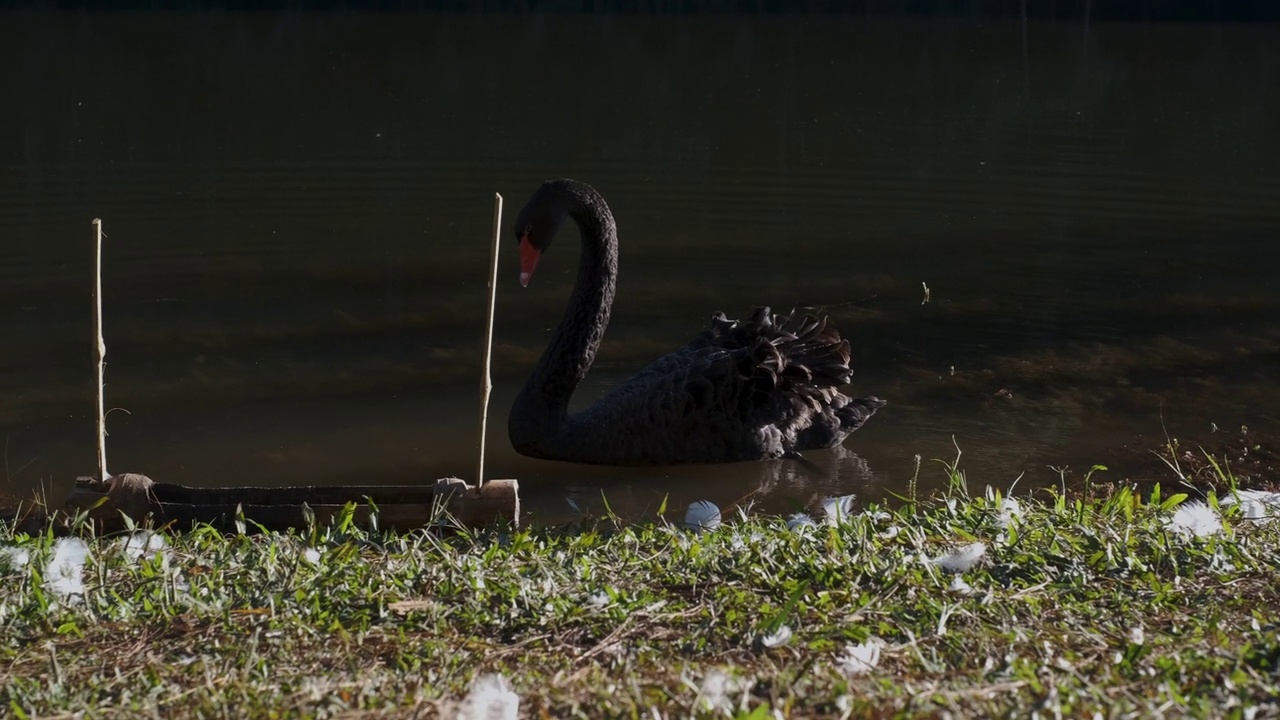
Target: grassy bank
pixel 1089 602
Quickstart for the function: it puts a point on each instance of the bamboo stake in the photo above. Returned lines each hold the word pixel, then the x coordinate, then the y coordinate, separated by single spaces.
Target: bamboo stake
pixel 101 346
pixel 486 382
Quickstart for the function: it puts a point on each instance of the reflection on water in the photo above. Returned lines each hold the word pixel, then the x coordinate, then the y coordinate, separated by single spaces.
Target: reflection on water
pixel 298 213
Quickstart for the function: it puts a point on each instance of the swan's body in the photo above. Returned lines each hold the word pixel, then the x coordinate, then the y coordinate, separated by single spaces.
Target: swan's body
pixel 761 388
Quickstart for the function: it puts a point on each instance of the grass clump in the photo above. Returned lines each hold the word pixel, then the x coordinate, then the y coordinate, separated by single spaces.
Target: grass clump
pixel 983 605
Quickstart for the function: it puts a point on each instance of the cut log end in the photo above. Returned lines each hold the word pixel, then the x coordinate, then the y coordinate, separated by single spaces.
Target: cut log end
pixel 496 500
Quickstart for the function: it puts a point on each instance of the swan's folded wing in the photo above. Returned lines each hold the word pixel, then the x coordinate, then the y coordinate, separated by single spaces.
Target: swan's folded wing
pixel 741 366
pixel 789 350
pixel 741 390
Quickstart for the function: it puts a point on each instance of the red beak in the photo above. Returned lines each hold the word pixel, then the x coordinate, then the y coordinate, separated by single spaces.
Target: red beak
pixel 528 259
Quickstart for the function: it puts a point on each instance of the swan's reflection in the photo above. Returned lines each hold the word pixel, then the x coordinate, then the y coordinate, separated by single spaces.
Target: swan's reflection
pixel 774 487
pixel 818 476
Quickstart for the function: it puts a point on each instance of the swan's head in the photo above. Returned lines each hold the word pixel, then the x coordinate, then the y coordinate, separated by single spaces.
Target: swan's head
pixel 538 223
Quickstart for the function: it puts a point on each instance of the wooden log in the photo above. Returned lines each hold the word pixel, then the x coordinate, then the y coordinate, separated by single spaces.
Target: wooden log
pixel 399 507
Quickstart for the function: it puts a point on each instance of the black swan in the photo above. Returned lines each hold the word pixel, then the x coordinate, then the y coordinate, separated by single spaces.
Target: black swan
pixel 756 389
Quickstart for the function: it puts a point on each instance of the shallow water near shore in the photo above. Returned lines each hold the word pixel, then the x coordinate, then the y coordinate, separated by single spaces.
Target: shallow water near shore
pixel 1048 244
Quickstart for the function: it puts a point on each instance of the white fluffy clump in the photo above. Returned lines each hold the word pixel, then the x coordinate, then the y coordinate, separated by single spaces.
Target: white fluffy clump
pixel 598 600
pixel 889 533
pixel 718 692
pixel 1010 512
pixel 702 515
pixel 800 521
pixel 860 659
pixel 64 575
pixel 960 587
pixel 490 698
pixel 837 511
pixel 1255 504
pixel 778 637
pixel 1194 519
pixel 14 558
pixel 962 558
pixel 144 544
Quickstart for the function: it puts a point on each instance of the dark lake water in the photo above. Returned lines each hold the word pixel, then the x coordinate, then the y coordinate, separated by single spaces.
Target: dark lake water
pixel 299 211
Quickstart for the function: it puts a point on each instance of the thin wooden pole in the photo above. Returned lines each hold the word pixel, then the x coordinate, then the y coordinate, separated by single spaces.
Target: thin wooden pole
pixel 101 346
pixel 486 382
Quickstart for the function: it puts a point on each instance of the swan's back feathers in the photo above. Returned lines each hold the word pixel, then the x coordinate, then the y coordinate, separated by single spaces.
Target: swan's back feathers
pixel 761 387
pixel 794 352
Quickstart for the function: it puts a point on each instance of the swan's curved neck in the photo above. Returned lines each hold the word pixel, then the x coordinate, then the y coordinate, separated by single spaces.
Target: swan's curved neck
pixel 544 400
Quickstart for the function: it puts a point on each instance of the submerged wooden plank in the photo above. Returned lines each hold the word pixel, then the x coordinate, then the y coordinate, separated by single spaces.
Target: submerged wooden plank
pixel 400 507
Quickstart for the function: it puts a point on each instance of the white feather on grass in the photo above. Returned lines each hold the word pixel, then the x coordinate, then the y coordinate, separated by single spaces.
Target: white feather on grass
pixel 1137 635
pixel 597 600
pixel 1255 504
pixel 1010 511
pixel 490 698
pixel 1194 519
pixel 860 659
pixel 702 515
pixel 778 637
pixel 143 544
pixel 799 521
pixel 716 692
pixel 64 575
pixel 15 558
pixel 836 510
pixel 959 586
pixel 962 558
